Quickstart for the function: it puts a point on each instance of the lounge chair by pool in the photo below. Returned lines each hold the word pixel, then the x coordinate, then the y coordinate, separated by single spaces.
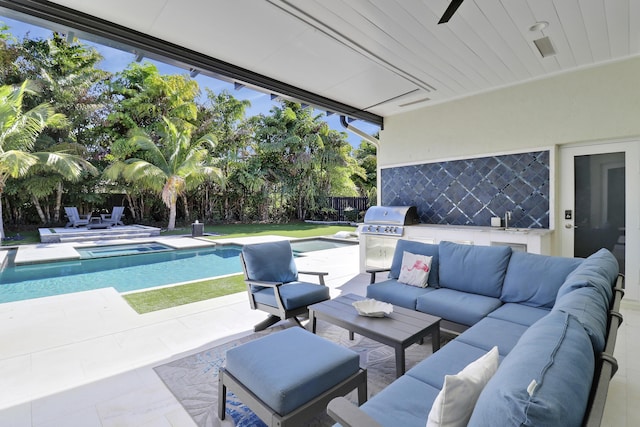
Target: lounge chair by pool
pixel 74 218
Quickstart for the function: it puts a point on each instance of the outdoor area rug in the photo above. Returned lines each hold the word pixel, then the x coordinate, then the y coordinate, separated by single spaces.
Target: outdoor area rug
pixel 193 379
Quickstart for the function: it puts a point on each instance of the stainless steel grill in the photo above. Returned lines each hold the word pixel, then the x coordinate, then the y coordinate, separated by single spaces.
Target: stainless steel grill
pixel 389 220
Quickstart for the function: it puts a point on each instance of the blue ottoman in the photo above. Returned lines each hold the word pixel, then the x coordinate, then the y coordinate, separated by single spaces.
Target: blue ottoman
pixel 290 376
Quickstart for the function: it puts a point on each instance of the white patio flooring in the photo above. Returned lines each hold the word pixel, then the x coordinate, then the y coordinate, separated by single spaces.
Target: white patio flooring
pixel 86 359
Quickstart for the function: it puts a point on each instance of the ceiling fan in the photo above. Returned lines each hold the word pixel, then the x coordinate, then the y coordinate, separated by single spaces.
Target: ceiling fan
pixel 453 6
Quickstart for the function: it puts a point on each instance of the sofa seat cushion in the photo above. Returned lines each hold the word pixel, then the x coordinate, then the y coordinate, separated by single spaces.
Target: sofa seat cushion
pixel 598 271
pixel 287 369
pixel 534 279
pixel 294 295
pixel 491 332
pixel 544 381
pixel 455 402
pixel 396 293
pixel 405 402
pixel 418 248
pixel 518 313
pixel 456 306
pixel 449 360
pixel 589 307
pixel 475 269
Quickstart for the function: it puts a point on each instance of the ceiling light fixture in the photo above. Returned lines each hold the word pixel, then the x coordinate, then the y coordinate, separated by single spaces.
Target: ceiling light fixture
pixel 539 26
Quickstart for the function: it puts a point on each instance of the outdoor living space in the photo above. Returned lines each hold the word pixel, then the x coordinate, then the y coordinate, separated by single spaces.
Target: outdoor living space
pixel 87 359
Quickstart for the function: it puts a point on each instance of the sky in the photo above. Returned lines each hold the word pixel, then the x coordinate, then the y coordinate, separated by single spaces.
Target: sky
pixel 116 60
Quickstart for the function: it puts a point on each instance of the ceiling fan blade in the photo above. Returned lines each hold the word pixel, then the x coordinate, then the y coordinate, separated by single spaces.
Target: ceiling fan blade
pixel 453 6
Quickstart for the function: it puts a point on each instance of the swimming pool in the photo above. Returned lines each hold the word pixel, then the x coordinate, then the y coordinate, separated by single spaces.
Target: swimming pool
pixel 131 267
pixel 319 244
pixel 124 273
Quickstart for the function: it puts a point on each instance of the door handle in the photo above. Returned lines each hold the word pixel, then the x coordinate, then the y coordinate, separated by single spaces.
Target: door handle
pixel 569 225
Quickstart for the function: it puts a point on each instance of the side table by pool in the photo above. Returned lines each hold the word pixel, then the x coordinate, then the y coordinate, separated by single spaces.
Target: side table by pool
pixel 399 329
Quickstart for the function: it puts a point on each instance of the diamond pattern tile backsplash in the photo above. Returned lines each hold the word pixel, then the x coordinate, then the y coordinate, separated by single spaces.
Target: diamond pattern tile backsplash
pixel 470 192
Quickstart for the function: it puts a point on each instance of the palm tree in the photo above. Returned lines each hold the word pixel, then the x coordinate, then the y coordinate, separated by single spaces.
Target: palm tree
pixel 169 166
pixel 18 133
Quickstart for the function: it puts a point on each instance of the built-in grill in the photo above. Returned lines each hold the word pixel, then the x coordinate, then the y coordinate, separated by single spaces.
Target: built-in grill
pixel 389 220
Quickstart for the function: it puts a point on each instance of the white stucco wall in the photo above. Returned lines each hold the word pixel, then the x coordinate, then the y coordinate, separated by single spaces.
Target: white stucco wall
pixel 601 103
pixel 593 104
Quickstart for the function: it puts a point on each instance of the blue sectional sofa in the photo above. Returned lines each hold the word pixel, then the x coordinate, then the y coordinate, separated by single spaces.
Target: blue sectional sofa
pixel 554 321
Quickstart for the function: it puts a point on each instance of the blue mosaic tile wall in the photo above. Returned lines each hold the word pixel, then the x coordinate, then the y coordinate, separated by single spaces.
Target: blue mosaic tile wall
pixel 470 192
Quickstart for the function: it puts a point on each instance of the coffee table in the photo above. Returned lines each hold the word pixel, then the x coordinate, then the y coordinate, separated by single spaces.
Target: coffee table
pixel 96 222
pixel 399 329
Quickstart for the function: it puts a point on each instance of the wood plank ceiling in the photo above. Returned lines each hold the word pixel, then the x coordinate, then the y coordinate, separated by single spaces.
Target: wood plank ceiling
pixel 388 56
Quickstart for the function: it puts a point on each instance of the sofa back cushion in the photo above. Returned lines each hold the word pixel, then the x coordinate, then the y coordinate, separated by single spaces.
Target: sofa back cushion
pixel 544 381
pixel 598 271
pixel 418 248
pixel 591 309
pixel 534 279
pixel 476 269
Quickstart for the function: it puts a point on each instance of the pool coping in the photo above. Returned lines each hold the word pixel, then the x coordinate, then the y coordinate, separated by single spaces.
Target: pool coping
pixel 51 252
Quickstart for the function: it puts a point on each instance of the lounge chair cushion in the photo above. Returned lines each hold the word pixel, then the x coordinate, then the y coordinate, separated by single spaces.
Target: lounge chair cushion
pixel 270 262
pixel 286 369
pixel 294 295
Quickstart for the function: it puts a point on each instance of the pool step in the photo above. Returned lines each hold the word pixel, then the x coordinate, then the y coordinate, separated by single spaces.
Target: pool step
pixel 82 234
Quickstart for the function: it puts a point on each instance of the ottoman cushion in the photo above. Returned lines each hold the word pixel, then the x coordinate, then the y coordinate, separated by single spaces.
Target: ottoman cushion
pixel 287 369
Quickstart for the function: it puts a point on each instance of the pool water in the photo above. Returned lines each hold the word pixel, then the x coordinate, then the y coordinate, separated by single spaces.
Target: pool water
pixel 318 244
pixel 119 250
pixel 124 273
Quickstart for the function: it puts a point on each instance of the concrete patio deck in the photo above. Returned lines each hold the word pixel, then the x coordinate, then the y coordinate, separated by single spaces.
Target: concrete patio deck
pixel 86 359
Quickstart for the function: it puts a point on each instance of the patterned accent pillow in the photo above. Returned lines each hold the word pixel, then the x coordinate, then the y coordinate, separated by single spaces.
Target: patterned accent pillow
pixel 415 269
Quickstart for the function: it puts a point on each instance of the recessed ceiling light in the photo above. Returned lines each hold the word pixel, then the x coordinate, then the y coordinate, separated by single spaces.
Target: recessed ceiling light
pixel 539 26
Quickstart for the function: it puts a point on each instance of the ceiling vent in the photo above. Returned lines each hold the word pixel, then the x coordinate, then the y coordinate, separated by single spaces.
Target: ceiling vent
pixel 545 47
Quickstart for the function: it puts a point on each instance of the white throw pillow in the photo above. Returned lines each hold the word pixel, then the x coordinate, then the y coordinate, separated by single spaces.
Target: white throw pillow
pixel 455 402
pixel 415 269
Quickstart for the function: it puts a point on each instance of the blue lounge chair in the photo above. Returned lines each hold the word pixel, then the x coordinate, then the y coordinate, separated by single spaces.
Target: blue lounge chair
pixel 272 282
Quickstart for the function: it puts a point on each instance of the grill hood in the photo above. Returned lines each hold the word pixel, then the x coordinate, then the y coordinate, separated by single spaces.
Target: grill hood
pixel 391 215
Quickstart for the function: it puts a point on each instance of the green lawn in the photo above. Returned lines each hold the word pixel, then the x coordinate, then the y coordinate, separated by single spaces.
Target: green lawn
pixel 294 229
pixel 158 299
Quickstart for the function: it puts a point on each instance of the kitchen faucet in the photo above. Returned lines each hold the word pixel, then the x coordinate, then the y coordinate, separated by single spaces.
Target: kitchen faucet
pixel 507 217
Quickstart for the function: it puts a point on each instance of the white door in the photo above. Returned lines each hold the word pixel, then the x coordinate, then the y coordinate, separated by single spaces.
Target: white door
pixel 598 204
